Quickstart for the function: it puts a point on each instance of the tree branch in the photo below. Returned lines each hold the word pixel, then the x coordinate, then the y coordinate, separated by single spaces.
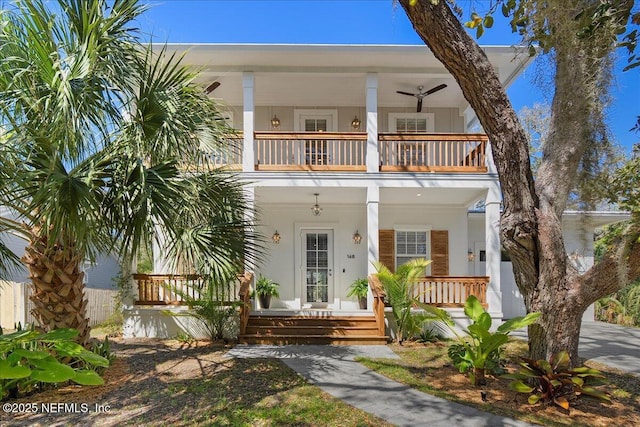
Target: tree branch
pixel 619 267
pixel 466 61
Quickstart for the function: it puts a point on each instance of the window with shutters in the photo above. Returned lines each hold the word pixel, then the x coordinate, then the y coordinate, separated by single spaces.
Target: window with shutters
pixel 410 245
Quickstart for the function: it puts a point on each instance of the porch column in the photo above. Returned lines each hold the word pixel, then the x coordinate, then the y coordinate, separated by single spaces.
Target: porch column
pixel 373 157
pixel 160 263
pixel 248 158
pixel 493 247
pixel 249 264
pixel 373 251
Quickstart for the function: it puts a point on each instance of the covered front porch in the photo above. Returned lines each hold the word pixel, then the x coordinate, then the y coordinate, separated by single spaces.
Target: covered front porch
pixel 159 294
pixel 316 258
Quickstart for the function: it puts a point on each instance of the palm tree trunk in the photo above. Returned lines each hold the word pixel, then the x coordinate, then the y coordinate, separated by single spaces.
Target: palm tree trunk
pixel 58 286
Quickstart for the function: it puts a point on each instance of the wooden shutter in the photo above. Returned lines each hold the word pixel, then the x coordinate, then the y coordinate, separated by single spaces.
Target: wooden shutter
pixel 439 253
pixel 386 247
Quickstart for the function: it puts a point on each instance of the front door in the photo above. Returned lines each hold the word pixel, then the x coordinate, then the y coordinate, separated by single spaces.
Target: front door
pixel 317 263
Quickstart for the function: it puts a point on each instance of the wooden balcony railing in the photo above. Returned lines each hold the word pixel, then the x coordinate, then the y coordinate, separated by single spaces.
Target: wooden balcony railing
pixel 230 156
pixel 311 151
pixel 163 289
pixel 451 291
pixel 401 152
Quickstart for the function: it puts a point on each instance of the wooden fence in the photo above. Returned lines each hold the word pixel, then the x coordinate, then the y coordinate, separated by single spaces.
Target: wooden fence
pixel 15 305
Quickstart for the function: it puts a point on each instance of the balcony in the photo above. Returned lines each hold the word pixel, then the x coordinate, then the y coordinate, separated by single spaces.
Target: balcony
pixel 401 152
pixel 347 152
pixel 310 151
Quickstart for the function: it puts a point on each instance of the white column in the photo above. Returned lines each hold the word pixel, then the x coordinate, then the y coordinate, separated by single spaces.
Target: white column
pixel 491 166
pixel 248 113
pixel 492 246
pixel 161 264
pixel 373 251
pixel 249 264
pixel 373 157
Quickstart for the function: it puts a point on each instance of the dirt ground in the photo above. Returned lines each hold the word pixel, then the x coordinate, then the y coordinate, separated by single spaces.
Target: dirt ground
pixel 623 411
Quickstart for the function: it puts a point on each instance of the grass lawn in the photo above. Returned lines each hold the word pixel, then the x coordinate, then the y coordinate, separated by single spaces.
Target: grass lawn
pixel 163 382
pixel 427 367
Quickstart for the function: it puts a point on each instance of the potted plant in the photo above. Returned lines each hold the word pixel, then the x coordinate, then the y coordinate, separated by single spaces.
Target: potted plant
pixel 359 288
pixel 265 289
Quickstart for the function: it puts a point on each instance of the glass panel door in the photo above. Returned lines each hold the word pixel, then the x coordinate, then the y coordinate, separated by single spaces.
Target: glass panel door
pixel 316 150
pixel 318 265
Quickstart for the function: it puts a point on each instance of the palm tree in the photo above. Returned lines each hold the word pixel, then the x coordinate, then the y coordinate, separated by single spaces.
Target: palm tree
pixel 403 296
pixel 96 133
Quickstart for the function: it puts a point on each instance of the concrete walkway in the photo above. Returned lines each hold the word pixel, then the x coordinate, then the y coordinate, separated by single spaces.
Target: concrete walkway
pixel 333 369
pixel 614 345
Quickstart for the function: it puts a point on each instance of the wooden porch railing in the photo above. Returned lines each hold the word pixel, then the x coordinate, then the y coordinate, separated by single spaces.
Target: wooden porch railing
pixel 402 152
pixel 317 151
pixel 157 289
pixel 230 156
pixel 378 302
pixel 451 291
pixel 170 289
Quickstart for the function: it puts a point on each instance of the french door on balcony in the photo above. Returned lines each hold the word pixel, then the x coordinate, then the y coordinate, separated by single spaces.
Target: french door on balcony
pixel 317 266
pixel 316 152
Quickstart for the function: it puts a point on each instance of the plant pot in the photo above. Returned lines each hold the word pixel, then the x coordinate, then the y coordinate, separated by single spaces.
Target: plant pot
pixel 363 303
pixel 265 301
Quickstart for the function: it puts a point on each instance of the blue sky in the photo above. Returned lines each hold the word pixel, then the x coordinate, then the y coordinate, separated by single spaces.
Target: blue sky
pixel 349 21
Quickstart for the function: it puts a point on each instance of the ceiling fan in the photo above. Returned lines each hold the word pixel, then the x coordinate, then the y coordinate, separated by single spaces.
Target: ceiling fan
pixel 213 86
pixel 422 94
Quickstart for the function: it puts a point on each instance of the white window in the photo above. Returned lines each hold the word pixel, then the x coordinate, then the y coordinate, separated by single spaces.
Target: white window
pixel 309 120
pixel 411 245
pixel 411 122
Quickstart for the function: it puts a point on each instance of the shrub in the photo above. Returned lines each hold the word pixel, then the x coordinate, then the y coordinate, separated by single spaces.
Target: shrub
pixel 212 305
pixel 553 381
pixel 481 346
pixel 402 296
pixel 29 358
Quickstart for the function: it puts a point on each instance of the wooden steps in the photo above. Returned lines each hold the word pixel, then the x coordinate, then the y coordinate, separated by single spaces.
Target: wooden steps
pixel 309 329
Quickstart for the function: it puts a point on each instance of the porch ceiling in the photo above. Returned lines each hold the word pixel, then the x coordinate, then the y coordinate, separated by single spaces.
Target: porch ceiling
pixel 334 75
pixel 460 197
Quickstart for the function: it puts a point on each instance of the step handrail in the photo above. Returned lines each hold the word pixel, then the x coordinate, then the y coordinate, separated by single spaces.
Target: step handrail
pixel 245 299
pixel 378 301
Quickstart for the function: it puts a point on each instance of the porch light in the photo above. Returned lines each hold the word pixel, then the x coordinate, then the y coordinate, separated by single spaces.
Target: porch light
pixel 357 238
pixel 355 123
pixel 470 255
pixel 275 122
pixel 276 237
pixel 316 209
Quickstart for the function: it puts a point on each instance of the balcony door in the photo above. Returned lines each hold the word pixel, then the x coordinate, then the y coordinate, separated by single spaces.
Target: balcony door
pixel 317 266
pixel 316 151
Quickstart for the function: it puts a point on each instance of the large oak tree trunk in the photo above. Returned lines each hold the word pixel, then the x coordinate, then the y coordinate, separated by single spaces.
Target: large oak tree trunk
pixel 531 227
pixel 57 286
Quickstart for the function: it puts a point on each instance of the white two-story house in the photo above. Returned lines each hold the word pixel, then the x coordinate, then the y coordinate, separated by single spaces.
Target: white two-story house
pixel 354 154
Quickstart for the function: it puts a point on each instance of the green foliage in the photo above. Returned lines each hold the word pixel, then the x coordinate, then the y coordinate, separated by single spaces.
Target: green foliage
pixel 97 127
pixel 481 346
pixel 622 308
pixel 403 296
pixel 213 305
pixel 624 185
pixel 266 286
pixel 29 358
pixel 359 288
pixel 103 349
pixel 427 335
pixel 494 365
pixel 554 381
